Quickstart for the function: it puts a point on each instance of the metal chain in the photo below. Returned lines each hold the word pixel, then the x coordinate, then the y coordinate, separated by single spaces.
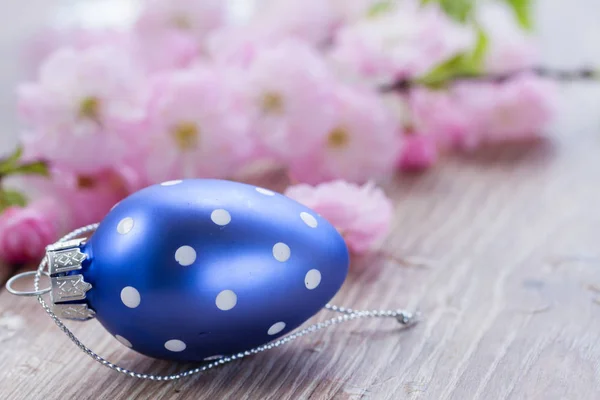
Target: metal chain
pixel 404 317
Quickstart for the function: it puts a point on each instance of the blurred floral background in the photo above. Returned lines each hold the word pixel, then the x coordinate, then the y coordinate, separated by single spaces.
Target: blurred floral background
pixel 336 95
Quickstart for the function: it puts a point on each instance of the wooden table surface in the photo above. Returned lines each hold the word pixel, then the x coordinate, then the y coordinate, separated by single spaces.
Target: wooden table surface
pixel 499 251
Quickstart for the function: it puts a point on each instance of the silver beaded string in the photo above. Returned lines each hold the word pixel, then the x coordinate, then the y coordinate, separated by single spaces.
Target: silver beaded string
pixel 404 317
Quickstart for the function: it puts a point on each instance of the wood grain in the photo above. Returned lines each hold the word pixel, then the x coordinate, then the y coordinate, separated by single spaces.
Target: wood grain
pixel 499 250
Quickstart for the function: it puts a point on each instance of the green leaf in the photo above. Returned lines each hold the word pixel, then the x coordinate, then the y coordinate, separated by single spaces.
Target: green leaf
pixel 10 198
pixel 459 10
pixel 33 168
pixel 11 166
pixel 522 10
pixel 11 161
pixel 379 8
pixel 461 65
pixel 439 76
pixel 480 50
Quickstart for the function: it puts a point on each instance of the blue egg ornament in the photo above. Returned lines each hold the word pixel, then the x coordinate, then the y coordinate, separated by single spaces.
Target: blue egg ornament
pixel 190 269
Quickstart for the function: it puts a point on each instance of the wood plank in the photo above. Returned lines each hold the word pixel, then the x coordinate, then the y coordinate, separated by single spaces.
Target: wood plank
pixel 6 271
pixel 509 287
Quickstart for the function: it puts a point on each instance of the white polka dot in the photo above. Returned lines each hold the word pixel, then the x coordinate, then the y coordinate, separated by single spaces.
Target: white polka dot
pixel 212 358
pixel 309 219
pixel 220 217
pixel 185 255
pixel 276 328
pixel 281 252
pixel 226 300
pixel 123 340
pixel 266 192
pixel 130 297
pixel 171 183
pixel 125 226
pixel 175 345
pixel 312 279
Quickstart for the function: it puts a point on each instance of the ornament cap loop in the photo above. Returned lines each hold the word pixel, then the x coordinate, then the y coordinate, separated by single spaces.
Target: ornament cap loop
pixel 11 281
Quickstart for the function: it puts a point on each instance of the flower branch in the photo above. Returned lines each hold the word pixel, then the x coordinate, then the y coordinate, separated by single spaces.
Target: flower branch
pixel 558 75
pixel 183 93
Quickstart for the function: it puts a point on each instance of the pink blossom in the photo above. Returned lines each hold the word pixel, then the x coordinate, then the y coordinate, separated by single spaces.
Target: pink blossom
pixel 513 110
pixel 438 114
pixel 26 231
pixel 169 34
pixel 419 152
pixel 511 48
pixel 363 143
pixel 47 41
pixel 289 93
pixel 88 198
pixel 164 52
pixel 197 127
pixel 236 46
pixel 362 214
pixel 85 109
pixel 473 113
pixel 311 21
pixel 189 17
pixel 349 11
pixel 405 42
pixel 309 24
pixel 82 198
